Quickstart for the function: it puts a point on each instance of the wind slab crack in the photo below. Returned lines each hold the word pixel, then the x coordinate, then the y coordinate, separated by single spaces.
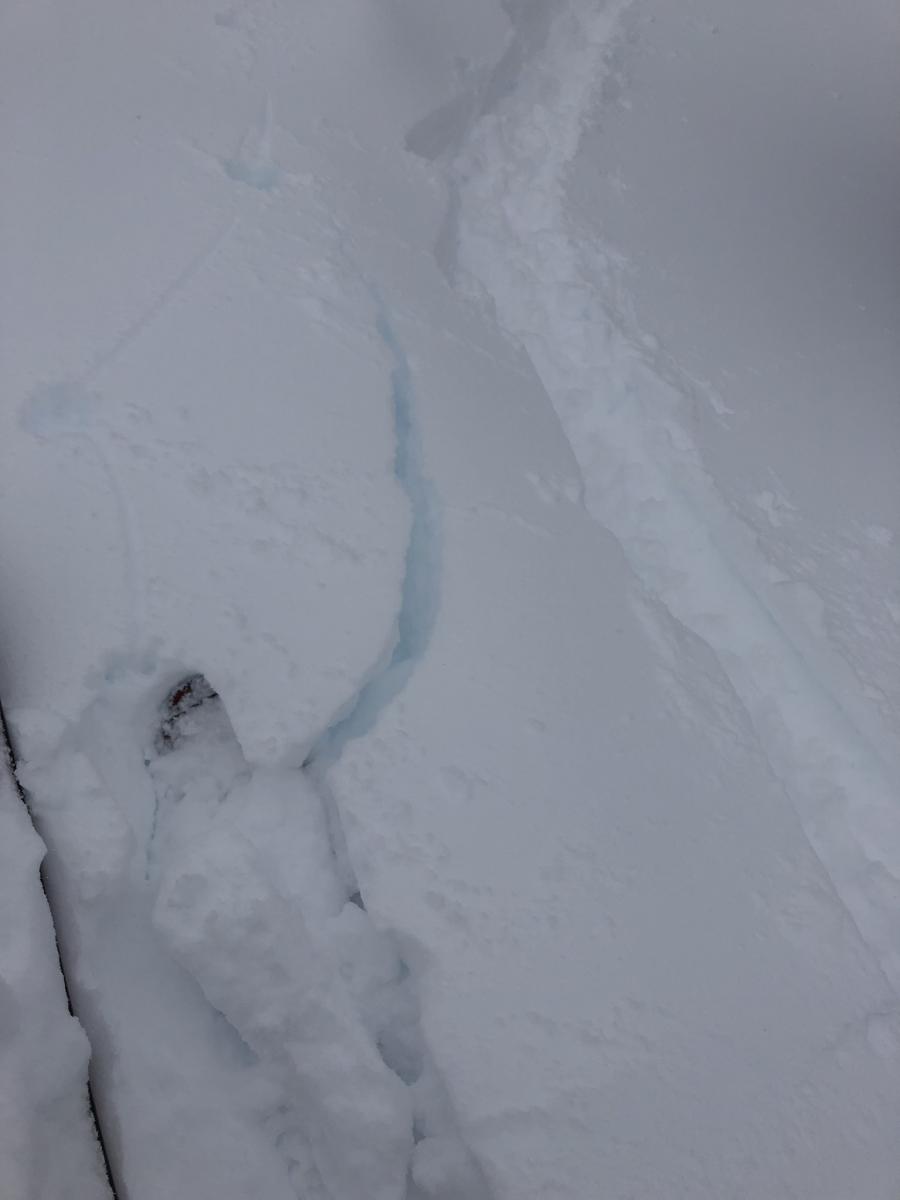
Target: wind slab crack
pixel 420 591
pixel 407 1055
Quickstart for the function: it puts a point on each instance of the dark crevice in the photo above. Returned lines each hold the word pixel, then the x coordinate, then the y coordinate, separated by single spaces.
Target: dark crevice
pixel 7 752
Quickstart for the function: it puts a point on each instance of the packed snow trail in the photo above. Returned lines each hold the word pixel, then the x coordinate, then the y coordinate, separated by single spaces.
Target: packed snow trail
pixel 643 476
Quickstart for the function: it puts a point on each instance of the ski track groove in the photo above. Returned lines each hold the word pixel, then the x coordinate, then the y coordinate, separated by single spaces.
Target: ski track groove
pixel 644 478
pixel 69 409
pixel 145 319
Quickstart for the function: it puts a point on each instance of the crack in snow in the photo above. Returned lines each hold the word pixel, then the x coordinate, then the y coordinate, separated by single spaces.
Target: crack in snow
pixel 67 410
pixel 401 1046
pixel 420 591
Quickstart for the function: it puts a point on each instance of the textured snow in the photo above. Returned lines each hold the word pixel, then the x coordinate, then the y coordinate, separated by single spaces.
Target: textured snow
pixel 450 600
pixel 48 1146
pixel 189 356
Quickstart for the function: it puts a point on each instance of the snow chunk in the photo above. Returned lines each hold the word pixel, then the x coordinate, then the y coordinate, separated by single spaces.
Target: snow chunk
pixel 258 965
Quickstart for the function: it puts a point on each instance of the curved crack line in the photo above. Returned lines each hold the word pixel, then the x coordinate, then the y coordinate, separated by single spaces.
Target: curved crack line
pixel 165 297
pixel 405 1051
pixel 420 590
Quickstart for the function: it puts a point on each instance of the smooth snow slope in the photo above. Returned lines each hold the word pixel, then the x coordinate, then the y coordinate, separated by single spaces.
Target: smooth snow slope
pixel 511 859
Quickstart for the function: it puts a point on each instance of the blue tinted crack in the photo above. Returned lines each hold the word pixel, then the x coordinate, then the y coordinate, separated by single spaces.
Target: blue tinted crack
pixel 420 592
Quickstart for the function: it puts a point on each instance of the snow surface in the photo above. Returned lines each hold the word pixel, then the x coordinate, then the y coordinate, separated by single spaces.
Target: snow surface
pixel 451 600
pixel 48 1145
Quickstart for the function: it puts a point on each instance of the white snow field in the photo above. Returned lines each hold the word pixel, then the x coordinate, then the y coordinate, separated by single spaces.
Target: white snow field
pixel 450 595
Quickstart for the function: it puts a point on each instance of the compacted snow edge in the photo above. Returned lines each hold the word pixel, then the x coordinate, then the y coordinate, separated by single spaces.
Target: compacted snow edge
pixel 643 476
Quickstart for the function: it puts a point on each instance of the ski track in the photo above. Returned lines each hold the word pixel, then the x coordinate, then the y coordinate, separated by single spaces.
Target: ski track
pixel 143 322
pixel 69 408
pixel 67 411
pixel 419 603
pixel 643 475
